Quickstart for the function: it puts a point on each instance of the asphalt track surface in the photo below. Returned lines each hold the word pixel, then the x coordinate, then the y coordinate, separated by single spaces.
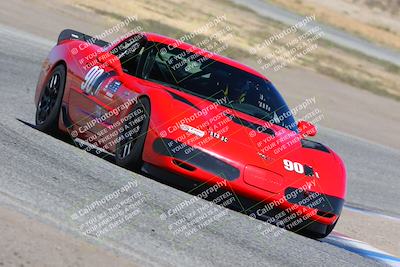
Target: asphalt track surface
pixel 334 35
pixel 51 179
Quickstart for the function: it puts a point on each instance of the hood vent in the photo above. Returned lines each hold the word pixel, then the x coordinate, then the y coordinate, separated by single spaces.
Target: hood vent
pixel 314 145
pixel 251 125
pixel 182 99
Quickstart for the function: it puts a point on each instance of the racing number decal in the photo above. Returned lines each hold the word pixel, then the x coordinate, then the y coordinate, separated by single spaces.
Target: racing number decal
pixel 299 168
pixel 293 166
pixel 91 78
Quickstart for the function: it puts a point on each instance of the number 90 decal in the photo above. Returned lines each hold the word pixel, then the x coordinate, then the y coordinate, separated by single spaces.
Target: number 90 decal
pixel 293 166
pixel 299 168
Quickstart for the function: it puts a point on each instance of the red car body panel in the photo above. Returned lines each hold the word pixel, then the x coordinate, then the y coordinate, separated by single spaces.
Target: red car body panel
pixel 242 152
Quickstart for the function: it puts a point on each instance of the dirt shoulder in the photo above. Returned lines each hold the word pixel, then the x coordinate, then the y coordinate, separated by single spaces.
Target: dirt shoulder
pixel 374 20
pixel 382 233
pixel 26 242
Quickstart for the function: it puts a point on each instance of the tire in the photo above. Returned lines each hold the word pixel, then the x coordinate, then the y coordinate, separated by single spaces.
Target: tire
pixel 322 233
pixel 48 107
pixel 129 147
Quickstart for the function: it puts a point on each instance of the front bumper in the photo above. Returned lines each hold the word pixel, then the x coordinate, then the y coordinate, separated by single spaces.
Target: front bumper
pixel 203 167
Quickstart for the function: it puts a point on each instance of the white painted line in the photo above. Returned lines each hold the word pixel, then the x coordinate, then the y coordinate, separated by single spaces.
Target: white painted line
pixel 361 248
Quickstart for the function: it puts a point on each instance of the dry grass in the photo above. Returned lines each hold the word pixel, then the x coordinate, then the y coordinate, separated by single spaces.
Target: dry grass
pixel 374 20
pixel 353 68
pixel 175 18
pixel 387 6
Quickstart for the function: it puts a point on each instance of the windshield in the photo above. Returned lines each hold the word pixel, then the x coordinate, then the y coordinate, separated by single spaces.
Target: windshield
pixel 204 77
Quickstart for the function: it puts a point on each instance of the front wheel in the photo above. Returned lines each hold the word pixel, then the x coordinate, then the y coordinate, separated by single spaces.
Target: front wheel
pixel 130 143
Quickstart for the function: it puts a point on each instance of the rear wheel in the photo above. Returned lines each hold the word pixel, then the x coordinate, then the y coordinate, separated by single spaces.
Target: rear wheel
pixel 129 148
pixel 48 107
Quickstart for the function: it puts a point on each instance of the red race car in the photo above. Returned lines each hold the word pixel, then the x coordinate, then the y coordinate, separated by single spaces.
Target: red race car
pixel 157 103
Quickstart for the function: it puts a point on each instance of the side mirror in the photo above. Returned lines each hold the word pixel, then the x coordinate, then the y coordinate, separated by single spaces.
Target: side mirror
pixel 306 128
pixel 108 59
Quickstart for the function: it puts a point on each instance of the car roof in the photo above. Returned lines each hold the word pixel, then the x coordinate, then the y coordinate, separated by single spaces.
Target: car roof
pixel 185 46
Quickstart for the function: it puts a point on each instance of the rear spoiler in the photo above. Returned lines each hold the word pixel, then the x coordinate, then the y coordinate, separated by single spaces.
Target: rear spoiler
pixel 69 34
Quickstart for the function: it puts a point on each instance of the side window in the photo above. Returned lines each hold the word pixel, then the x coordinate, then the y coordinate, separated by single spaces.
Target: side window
pixel 129 52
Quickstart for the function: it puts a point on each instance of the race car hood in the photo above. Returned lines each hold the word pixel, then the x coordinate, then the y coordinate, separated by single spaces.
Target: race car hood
pixel 251 145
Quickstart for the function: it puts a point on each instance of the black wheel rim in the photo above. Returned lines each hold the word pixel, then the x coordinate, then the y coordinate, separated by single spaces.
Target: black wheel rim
pixel 48 98
pixel 132 132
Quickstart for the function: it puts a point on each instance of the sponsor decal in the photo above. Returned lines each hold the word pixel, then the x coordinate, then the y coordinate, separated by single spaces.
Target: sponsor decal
pixel 112 88
pixel 192 130
pixel 219 137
